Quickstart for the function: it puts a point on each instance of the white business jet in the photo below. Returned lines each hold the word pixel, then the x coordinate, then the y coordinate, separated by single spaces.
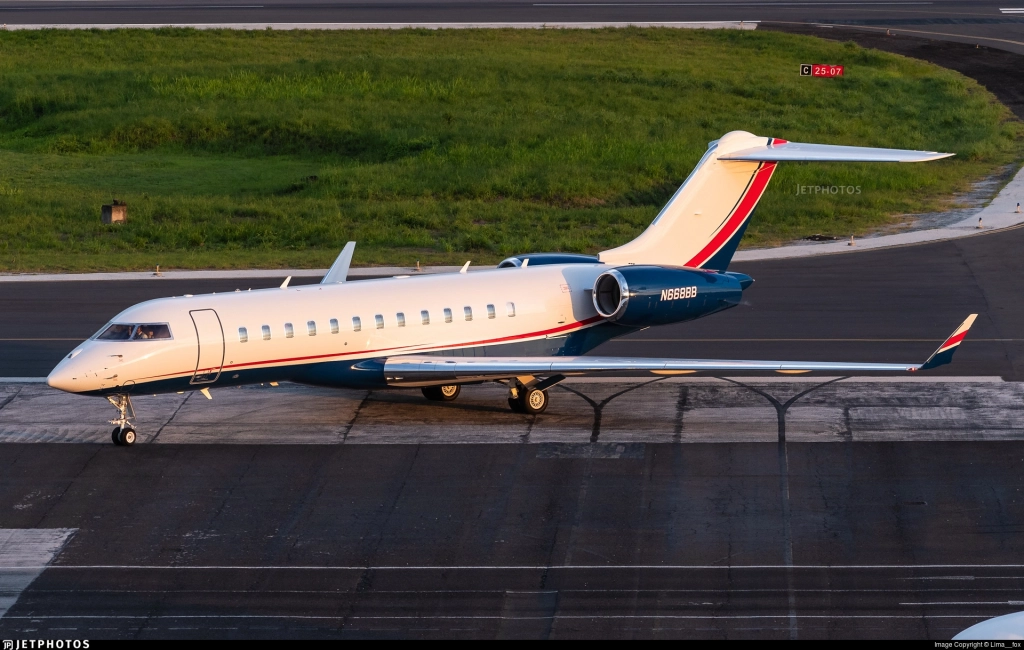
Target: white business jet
pixel 525 323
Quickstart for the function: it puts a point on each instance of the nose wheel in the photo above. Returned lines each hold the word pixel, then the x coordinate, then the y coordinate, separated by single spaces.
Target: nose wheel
pixel 123 437
pixel 123 434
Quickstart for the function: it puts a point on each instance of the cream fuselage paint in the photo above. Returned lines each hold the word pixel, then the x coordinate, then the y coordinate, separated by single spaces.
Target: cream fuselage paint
pixel 548 301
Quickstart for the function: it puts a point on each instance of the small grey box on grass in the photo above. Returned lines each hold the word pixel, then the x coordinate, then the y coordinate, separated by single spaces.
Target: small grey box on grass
pixel 115 212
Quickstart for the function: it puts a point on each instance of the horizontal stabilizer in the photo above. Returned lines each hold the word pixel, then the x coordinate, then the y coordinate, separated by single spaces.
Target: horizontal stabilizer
pixel 801 152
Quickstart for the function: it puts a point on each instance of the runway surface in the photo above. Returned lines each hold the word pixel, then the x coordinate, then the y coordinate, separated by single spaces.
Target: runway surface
pixel 981 20
pixel 743 540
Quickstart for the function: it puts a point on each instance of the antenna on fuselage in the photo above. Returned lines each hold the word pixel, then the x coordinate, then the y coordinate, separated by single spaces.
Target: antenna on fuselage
pixel 284 285
pixel 465 267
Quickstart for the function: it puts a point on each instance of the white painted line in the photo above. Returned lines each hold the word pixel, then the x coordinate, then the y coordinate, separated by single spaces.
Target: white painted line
pixel 422 617
pixel 24 553
pixel 520 567
pixel 724 4
pixel 751 379
pixel 721 24
pixel 363 272
pixel 790 379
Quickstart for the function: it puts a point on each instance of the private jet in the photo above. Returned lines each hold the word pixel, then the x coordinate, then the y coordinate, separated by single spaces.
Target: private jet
pixel 526 323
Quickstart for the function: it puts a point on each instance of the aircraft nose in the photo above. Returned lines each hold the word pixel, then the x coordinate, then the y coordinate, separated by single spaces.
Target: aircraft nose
pixel 63 376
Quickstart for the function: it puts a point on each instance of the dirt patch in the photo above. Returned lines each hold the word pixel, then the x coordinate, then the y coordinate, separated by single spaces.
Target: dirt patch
pixel 1001 72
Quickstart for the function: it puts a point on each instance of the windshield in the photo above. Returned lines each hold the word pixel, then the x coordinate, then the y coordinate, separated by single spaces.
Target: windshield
pixel 126 331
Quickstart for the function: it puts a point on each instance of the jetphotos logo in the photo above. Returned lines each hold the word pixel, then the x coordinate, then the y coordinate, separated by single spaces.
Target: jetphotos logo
pixel 47 644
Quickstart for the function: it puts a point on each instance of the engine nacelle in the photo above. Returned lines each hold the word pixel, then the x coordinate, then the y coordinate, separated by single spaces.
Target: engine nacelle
pixel 639 296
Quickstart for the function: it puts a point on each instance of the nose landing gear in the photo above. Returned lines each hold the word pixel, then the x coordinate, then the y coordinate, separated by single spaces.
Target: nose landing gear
pixel 123 434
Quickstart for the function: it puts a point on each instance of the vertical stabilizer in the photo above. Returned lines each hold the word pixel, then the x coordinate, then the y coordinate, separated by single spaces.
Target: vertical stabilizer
pixel 703 222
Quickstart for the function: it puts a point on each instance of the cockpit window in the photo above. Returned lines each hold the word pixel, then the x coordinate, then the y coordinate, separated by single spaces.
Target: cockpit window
pixel 116 332
pixel 152 331
pixel 125 332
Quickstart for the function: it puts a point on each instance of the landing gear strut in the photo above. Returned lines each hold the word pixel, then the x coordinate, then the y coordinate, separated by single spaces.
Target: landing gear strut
pixel 527 399
pixel 123 434
pixel 442 393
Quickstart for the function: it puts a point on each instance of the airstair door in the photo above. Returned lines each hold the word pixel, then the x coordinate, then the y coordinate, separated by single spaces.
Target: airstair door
pixel 211 346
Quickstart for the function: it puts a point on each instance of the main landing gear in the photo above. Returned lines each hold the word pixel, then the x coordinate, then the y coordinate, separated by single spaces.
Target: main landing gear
pixel 442 393
pixel 530 397
pixel 123 434
pixel 526 399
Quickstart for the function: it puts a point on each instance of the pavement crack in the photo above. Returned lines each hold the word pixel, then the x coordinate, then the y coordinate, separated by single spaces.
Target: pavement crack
pixel 598 407
pixel 187 397
pixel 682 406
pixel 10 398
pixel 782 407
pixel 355 416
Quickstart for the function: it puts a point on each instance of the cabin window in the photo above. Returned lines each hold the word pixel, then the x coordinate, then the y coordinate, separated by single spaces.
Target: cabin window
pixel 425 317
pixel 243 335
pixel 311 327
pixel 266 332
pixel 469 312
pixel 510 309
pixel 447 315
pixel 289 331
pixel 357 324
pixel 334 326
pixel 380 321
pixel 490 311
pixel 400 317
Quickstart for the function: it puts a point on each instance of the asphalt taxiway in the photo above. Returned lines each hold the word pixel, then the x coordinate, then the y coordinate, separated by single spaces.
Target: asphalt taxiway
pixel 632 508
pixel 990 22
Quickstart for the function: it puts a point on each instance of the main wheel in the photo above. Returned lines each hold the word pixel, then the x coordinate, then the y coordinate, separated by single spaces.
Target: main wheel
pixel 114 435
pixel 126 437
pixel 513 403
pixel 533 401
pixel 442 393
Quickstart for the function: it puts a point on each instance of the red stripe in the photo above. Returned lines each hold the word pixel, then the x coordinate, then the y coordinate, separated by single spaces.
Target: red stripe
pixel 776 141
pixel 411 350
pixel 954 340
pixel 738 217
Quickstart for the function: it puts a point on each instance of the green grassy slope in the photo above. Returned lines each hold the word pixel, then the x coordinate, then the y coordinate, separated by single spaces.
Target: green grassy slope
pixel 274 148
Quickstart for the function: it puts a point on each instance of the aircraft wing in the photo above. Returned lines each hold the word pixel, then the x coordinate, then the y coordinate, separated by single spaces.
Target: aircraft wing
pixel 780 151
pixel 422 370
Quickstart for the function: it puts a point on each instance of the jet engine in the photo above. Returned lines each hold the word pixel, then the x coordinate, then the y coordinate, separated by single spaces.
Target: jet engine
pixel 639 296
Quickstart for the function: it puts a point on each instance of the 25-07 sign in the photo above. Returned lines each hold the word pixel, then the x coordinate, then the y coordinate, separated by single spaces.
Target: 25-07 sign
pixel 820 70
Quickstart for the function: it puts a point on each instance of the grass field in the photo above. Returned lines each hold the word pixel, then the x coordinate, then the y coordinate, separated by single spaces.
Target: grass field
pixel 270 149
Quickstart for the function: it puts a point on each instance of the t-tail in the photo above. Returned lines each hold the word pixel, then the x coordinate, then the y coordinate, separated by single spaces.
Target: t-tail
pixel 702 224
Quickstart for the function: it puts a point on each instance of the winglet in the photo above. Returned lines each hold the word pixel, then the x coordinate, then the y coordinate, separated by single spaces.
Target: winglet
pixel 339 270
pixel 944 354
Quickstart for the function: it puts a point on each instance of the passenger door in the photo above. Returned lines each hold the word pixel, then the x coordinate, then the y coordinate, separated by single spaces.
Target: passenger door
pixel 211 346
